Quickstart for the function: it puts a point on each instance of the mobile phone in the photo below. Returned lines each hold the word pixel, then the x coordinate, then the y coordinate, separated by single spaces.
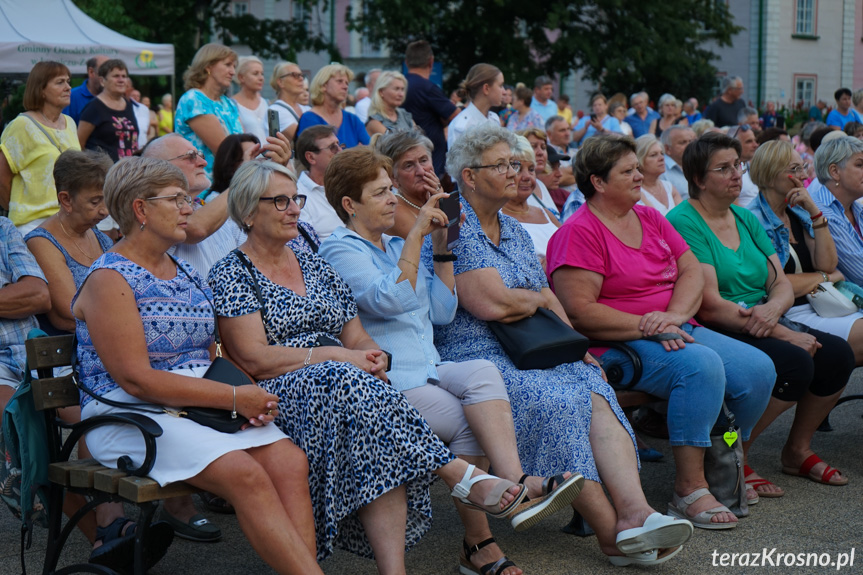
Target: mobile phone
pixel 272 123
pixel 780 122
pixel 451 206
pixel 593 117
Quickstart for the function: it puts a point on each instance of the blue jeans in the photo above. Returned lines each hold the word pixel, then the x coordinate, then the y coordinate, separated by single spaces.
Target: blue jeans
pixel 697 378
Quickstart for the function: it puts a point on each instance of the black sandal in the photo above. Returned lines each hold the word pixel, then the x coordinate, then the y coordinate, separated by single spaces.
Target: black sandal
pixel 467 568
pixel 216 504
pixel 557 493
pixel 117 551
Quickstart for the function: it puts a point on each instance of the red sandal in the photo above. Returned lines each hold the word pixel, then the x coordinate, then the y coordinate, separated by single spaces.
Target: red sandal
pixel 807 466
pixel 756 483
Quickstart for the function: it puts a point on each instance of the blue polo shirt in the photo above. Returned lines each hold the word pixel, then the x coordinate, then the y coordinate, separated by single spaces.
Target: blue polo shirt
pixel 639 126
pixel 80 97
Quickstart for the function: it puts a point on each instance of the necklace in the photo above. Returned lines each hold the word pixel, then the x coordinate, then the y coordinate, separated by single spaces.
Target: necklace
pixel 49 122
pixel 407 201
pixel 68 235
pixel 512 211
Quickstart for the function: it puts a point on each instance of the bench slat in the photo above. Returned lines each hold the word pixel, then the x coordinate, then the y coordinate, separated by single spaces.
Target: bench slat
pixel 107 480
pixel 83 476
pixel 143 489
pixel 49 352
pixel 59 472
pixel 54 392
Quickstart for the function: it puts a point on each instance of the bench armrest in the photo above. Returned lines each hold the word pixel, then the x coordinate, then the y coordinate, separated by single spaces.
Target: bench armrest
pixel 149 429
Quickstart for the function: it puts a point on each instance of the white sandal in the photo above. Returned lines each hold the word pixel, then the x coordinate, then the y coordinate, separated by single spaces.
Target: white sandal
pixel 491 505
pixel 679 505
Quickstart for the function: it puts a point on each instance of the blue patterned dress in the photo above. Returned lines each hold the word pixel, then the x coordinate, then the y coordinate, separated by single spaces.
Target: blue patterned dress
pixel 551 408
pixel 177 320
pixel 79 270
pixel 361 436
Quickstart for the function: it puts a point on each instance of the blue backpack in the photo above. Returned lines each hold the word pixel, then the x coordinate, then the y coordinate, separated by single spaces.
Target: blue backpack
pixel 24 472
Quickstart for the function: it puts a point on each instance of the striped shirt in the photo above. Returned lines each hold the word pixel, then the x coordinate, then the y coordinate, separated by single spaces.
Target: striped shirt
pixel 849 243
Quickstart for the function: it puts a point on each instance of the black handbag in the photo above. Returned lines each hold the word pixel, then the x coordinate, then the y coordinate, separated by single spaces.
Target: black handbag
pixel 540 341
pixel 723 465
pixel 221 370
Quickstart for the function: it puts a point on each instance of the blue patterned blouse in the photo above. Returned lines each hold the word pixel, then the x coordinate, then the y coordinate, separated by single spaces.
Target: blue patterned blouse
pixel 79 270
pixel 177 318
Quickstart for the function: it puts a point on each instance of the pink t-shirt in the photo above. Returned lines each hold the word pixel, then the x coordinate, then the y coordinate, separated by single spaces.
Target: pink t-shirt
pixel 637 280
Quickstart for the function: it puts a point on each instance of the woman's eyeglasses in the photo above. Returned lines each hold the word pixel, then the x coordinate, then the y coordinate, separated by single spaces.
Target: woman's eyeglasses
pixel 501 168
pixel 180 199
pixel 799 170
pixel 294 75
pixel 282 202
pixel 728 171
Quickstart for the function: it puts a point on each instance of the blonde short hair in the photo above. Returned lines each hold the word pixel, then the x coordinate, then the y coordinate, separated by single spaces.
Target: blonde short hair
pixel 243 64
pixel 771 159
pixel 523 151
pixel 137 178
pixel 642 146
pixel 278 72
pixel 316 88
pixel 196 74
pixel 384 80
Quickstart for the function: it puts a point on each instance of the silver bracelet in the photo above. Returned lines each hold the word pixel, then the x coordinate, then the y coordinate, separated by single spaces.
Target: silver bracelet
pixel 308 357
pixel 234 410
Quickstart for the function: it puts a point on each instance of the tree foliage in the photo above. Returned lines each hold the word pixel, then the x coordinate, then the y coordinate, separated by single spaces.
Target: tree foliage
pixel 622 45
pixel 189 24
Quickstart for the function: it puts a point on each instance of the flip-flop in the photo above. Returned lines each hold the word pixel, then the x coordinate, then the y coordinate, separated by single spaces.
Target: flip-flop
pixel 491 504
pixel 117 551
pixel 807 466
pixel 658 532
pixel 756 483
pixel 645 559
pixel 553 499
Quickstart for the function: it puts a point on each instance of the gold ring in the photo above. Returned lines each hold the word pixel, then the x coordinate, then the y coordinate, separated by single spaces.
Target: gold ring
pixel 270 412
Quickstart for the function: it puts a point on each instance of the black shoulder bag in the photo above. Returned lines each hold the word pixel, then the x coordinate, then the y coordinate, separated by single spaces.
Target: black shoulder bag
pixel 221 370
pixel 540 341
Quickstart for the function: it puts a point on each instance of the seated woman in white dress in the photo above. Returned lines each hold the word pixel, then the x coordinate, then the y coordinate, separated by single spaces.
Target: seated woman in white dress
pixel 539 223
pixel 145 325
pixel 655 193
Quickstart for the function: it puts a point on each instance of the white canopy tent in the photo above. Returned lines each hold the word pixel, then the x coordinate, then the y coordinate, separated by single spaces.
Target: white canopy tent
pixel 35 30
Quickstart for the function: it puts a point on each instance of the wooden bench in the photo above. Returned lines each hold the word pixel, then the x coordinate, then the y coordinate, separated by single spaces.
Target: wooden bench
pixel 87 477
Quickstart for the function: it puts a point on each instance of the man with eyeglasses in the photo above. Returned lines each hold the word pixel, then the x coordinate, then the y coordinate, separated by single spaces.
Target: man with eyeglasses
pixel 724 109
pixel 316 146
pixel 746 136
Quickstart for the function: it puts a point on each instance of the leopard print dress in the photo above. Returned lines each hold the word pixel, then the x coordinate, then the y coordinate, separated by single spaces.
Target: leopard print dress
pixel 361 436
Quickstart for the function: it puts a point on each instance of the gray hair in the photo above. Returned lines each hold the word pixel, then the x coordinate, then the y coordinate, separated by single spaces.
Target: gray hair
pixel 837 152
pixel 523 151
pixel 744 113
pixel 729 82
pixel 551 121
pixel 702 126
pixel 137 178
pixel 665 98
pixel 395 145
pixel 857 97
pixel 809 129
pixel 468 150
pixel 249 183
pixel 541 81
pixel 665 137
pixel 641 94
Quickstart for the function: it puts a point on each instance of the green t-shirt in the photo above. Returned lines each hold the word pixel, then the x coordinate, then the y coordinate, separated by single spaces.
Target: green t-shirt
pixel 742 274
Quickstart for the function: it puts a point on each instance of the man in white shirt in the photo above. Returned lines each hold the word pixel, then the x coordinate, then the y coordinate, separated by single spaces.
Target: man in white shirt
pixel 316 146
pixel 362 106
pixel 674 140
pixel 746 136
pixel 543 103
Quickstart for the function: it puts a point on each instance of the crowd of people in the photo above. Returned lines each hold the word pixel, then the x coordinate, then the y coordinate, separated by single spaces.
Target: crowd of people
pixel 323 254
